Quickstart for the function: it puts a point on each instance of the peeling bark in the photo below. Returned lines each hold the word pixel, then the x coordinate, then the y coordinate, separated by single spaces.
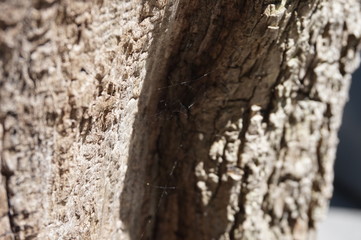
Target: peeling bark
pixel 171 119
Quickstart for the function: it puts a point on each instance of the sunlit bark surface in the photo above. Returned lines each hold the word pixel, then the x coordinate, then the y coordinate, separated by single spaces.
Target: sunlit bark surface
pixel 171 119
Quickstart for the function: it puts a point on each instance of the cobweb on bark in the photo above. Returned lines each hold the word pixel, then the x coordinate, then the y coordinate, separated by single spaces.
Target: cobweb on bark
pixel 168 110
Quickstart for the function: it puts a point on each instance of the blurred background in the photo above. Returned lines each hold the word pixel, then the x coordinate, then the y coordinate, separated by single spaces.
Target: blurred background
pixel 344 217
pixel 347 183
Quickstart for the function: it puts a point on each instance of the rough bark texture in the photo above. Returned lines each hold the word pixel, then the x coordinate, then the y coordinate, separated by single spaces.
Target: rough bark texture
pixel 171 119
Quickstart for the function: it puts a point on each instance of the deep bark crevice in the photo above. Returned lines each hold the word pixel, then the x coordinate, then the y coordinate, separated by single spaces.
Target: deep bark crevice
pixel 6 174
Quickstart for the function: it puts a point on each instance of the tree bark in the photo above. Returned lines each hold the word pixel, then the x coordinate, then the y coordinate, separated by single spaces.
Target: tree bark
pixel 171 119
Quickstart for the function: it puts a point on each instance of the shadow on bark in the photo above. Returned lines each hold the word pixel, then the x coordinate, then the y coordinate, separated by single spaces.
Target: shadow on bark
pixel 139 195
pixel 161 153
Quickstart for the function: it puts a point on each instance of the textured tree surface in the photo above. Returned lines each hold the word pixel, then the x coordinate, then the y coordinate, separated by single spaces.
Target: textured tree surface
pixel 171 119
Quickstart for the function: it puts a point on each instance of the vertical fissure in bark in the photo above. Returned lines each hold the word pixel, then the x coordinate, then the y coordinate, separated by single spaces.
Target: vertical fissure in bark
pixel 240 215
pixel 13 226
pixel 6 174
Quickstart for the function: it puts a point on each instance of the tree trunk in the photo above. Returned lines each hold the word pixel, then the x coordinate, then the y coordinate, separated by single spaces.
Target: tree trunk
pixel 171 119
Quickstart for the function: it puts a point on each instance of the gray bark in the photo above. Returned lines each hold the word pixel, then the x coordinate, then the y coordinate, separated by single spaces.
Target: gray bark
pixel 171 119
